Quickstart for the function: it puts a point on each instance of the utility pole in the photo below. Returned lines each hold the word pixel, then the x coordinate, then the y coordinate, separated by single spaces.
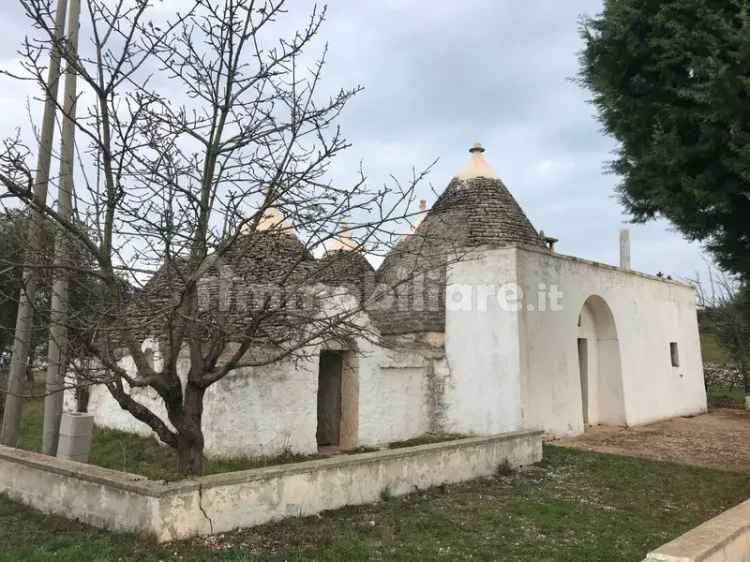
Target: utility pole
pixel 25 318
pixel 57 355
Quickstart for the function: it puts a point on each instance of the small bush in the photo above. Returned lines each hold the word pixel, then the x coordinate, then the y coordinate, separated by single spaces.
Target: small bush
pixel 504 469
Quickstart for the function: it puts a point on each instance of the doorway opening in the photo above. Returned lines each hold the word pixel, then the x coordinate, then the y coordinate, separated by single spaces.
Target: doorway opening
pixel 329 399
pixel 583 367
pixel 602 394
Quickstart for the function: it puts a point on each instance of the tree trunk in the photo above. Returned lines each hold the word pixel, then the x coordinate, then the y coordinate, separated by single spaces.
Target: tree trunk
pixel 82 392
pixel 190 454
pixel 190 440
pixel 746 378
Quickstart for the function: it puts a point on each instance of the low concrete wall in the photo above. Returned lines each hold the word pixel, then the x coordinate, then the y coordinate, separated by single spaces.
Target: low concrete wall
pixel 97 496
pixel 212 504
pixel 725 538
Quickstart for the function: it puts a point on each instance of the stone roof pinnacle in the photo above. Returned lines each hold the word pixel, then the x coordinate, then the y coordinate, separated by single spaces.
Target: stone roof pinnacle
pixel 476 166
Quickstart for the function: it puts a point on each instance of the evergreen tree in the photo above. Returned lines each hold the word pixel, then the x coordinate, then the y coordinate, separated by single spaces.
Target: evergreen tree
pixel 671 82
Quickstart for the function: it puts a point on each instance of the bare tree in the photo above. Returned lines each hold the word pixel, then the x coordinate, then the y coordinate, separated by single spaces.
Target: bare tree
pixel 202 137
pixel 725 303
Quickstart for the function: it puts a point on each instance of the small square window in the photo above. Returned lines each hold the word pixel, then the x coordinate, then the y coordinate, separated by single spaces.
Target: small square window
pixel 674 353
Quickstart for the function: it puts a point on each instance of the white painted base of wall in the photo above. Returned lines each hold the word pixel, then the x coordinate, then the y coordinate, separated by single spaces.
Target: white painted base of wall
pixel 213 504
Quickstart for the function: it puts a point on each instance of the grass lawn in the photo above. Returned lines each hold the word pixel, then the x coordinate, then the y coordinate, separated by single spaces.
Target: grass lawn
pixel 712 350
pixel 576 506
pixel 724 397
pixel 127 452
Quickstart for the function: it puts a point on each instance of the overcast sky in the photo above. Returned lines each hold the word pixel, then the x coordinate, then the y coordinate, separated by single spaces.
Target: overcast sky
pixel 441 75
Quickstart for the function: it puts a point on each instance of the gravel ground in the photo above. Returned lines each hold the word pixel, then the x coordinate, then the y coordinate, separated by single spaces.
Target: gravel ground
pixel 716 440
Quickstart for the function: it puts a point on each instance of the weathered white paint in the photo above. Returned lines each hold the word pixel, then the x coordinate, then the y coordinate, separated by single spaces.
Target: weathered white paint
pixel 395 397
pixel 648 313
pixel 514 363
pixel 725 538
pixel 96 496
pixel 265 411
pixel 482 347
pixel 213 504
pixel 251 412
pixel 394 404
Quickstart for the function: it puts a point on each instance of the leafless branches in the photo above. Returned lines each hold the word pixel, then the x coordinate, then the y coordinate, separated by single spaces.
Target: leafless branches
pixel 192 130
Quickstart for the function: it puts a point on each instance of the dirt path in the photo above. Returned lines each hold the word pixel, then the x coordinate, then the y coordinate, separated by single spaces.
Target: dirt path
pixel 719 439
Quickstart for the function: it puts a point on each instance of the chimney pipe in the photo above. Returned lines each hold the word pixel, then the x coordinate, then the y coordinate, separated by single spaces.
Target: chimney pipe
pixel 625 249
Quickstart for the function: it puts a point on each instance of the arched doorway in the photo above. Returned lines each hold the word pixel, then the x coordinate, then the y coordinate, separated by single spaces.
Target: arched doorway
pixel 602 396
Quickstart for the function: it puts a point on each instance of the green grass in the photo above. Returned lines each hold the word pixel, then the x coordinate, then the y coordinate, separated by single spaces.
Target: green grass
pixel 575 507
pixel 713 351
pixel 724 397
pixel 132 453
pixel 127 452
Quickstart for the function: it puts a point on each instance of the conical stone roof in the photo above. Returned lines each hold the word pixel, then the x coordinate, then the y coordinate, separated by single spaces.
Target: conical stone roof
pixel 265 263
pixel 475 210
pixel 346 268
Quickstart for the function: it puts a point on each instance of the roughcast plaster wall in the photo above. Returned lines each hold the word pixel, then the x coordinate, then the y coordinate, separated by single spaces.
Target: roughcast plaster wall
pixel 629 320
pixel 268 410
pixel 513 320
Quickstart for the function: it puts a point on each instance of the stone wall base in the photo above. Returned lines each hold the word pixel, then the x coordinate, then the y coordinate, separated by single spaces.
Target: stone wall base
pixel 119 501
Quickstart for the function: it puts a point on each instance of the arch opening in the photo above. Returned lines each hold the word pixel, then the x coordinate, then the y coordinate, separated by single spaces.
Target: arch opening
pixel 602 396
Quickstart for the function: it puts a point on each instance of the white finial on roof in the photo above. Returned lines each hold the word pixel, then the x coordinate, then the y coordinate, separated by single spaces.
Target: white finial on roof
pixel 272 219
pixel 420 216
pixel 343 240
pixel 476 166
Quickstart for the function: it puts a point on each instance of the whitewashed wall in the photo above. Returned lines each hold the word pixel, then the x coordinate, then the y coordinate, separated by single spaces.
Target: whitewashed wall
pixel 514 365
pixel 268 410
pixel 648 313
pixel 108 413
pixel 251 412
pixel 263 411
pixel 394 397
pixel 483 395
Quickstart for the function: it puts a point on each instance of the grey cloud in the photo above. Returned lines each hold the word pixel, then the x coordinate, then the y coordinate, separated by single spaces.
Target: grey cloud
pixel 441 75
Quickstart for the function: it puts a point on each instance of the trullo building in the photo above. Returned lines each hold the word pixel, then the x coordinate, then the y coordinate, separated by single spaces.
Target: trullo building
pixel 500 333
